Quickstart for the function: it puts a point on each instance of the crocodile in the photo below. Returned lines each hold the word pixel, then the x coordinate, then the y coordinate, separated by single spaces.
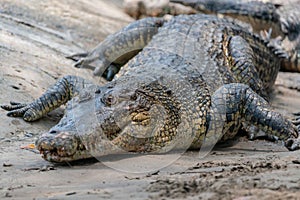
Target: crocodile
pixel 281 21
pixel 181 88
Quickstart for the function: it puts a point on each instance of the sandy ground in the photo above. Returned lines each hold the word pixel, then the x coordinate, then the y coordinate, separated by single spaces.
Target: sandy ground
pixel 35 37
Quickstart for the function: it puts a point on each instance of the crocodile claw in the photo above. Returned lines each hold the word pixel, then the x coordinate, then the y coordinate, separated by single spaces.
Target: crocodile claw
pixel 297 114
pixel 13 106
pixel 77 56
pixel 79 63
pixel 15 109
pixel 296 121
pixel 80 60
pixel 294 143
pixel 255 133
pixel 266 35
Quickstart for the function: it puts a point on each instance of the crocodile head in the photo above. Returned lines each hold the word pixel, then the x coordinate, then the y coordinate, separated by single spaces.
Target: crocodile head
pixel 62 142
pixel 117 117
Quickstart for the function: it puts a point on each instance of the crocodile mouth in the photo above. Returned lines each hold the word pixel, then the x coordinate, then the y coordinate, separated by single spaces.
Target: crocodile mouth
pixel 61 147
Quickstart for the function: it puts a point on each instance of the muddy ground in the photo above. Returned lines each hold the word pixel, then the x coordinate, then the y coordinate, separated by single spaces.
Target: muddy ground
pixel 35 37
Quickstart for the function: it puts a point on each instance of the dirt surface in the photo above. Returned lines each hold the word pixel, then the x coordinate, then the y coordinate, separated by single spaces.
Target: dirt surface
pixel 35 37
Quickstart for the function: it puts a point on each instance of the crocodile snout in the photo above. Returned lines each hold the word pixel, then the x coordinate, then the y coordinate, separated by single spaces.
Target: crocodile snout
pixel 58 146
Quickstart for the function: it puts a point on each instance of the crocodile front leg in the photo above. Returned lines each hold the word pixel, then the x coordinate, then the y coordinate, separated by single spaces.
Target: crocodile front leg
pixel 234 104
pixel 61 92
pixel 120 47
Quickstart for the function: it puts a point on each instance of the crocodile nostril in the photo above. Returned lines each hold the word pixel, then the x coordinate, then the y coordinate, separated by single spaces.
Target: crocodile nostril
pixel 53 132
pixel 98 91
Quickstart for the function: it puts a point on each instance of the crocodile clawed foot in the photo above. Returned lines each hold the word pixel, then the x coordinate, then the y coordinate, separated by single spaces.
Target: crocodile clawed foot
pixel 81 60
pixel 15 109
pixel 275 43
pixel 254 133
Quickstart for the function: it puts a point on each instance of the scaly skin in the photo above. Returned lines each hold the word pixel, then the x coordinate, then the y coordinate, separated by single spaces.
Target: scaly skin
pixel 282 20
pixel 185 87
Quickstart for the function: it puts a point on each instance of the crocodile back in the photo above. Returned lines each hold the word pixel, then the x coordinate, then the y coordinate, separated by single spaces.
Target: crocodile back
pixel 197 45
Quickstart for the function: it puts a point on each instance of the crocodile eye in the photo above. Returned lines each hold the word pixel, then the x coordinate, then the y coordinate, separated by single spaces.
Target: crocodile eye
pixel 109 99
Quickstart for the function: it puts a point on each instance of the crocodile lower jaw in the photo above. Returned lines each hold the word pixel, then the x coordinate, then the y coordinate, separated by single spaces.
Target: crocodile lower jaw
pixel 53 156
